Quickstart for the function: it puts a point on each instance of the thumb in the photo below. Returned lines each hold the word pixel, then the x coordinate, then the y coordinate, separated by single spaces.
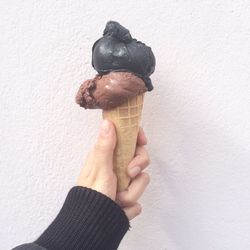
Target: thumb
pixel 105 145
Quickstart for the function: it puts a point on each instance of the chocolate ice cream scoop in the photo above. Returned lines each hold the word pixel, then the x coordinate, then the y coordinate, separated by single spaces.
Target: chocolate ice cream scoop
pixel 124 66
pixel 110 90
pixel 118 51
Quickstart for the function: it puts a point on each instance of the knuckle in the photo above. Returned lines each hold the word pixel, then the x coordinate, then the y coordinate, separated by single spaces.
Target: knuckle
pixel 145 157
pixel 100 147
pixel 147 160
pixel 138 209
pixel 130 200
pixel 146 178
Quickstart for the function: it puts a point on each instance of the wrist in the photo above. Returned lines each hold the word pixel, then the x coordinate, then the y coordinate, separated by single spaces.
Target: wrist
pixel 88 219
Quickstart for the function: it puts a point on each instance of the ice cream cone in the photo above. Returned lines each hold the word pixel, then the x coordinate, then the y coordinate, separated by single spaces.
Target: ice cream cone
pixel 126 119
pixel 124 66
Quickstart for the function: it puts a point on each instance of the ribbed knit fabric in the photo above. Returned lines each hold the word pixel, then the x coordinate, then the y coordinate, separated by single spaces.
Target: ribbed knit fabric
pixel 88 220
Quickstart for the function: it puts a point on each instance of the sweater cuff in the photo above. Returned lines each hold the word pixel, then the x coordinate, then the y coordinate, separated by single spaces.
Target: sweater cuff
pixel 87 220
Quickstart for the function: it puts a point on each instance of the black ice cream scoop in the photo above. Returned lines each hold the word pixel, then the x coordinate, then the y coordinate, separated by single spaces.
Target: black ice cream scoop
pixel 118 51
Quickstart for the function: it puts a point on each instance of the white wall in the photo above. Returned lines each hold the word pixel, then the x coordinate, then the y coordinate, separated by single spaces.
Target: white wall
pixel 197 119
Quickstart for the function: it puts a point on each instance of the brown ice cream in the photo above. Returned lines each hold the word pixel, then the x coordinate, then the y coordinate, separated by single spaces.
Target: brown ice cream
pixel 124 66
pixel 110 90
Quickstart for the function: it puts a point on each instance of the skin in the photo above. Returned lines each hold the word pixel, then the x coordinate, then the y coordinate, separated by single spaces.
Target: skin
pixel 98 173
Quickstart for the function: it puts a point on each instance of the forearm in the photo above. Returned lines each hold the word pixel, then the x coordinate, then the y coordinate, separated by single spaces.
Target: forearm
pixel 87 220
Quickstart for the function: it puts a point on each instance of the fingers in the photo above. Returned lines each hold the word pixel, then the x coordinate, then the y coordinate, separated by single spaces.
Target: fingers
pixel 139 162
pixel 133 211
pixel 104 147
pixel 135 190
pixel 141 138
pixel 141 159
pixel 98 171
pixel 106 139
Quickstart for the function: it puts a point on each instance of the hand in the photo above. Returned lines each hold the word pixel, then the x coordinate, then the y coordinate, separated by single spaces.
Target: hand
pixel 128 199
pixel 98 173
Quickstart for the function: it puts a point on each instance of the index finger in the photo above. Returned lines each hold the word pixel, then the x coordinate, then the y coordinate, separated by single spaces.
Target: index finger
pixel 134 191
pixel 141 138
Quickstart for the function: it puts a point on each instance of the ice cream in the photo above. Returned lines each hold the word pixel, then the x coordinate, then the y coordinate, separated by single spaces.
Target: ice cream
pixel 124 66
pixel 118 51
pixel 110 90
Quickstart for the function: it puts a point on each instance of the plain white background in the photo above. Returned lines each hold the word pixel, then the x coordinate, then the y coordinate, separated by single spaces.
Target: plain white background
pixel 197 119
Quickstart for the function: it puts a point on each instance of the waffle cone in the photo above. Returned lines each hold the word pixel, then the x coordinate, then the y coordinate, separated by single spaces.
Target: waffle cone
pixel 126 119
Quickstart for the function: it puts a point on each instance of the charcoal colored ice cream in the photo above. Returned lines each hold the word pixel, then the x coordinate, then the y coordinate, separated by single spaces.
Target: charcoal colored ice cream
pixel 123 65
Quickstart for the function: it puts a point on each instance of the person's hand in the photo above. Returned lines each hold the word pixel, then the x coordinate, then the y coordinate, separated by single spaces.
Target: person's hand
pixel 98 173
pixel 139 180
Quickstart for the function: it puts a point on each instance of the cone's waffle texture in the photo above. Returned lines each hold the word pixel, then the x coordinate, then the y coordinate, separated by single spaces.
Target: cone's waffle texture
pixel 126 119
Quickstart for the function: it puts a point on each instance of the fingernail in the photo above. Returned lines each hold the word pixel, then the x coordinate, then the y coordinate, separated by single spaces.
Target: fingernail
pixel 105 128
pixel 134 171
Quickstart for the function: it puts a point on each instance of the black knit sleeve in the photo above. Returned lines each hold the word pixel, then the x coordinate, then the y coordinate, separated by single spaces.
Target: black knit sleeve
pixel 88 220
